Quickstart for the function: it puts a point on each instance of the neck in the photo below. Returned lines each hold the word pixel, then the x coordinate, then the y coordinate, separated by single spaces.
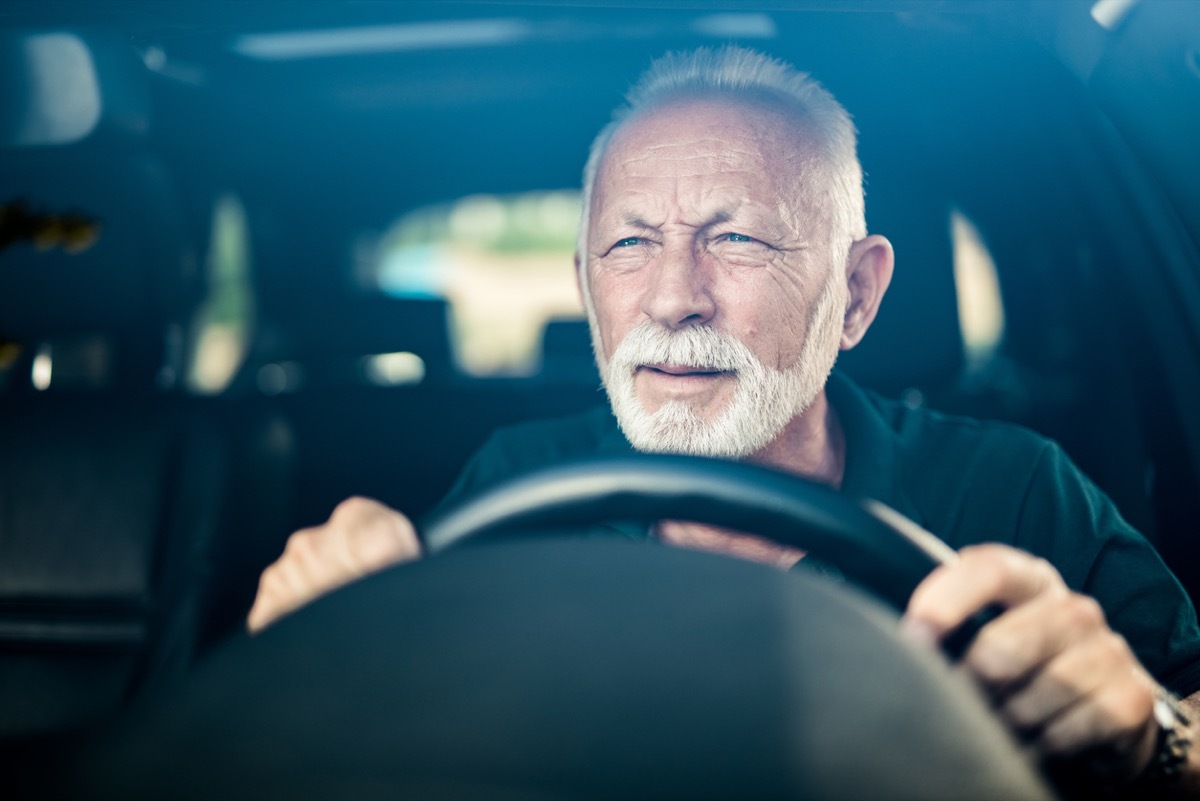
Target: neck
pixel 812 446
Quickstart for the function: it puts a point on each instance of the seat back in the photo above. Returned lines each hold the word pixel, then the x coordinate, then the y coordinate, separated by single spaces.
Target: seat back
pixel 107 513
pixel 111 486
pixel 916 341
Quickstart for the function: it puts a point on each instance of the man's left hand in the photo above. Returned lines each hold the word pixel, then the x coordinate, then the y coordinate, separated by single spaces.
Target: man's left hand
pixel 1054 669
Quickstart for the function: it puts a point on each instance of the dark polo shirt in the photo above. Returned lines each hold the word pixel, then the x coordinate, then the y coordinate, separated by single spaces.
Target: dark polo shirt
pixel 966 481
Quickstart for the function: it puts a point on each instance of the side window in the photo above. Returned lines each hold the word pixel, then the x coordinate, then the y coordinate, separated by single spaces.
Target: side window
pixel 977 288
pixel 942 325
pixel 222 326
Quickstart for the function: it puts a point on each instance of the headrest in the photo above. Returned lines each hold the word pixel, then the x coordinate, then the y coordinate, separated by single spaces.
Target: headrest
pixel 75 167
pixel 915 341
pixel 59 88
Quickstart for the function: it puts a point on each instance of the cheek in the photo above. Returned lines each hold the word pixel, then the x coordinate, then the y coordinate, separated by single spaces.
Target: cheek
pixel 766 315
pixel 616 302
pixel 770 314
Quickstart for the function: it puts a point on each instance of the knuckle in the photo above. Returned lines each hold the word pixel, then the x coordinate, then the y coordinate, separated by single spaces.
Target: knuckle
pixel 300 543
pixel 388 535
pixel 360 536
pixel 265 598
pixel 999 570
pixel 1129 705
pixel 270 600
pixel 1047 574
pixel 269 582
pixel 992 565
pixel 1115 649
pixel 1059 740
pixel 307 553
pixel 1023 714
pixel 924 597
pixel 995 659
pixel 1084 611
pixel 353 508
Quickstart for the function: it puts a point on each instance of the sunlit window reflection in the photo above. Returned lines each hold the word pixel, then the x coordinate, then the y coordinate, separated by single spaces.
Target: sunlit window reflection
pixel 503 263
pixel 394 369
pixel 1110 13
pixel 980 308
pixel 223 323
pixel 43 368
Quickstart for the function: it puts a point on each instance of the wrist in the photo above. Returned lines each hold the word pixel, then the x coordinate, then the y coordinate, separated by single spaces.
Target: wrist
pixel 1173 739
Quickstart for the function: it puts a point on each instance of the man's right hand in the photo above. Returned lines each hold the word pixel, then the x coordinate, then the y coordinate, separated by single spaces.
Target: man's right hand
pixel 360 537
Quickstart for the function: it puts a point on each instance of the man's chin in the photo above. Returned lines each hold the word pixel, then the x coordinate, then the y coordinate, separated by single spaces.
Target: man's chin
pixel 695 426
pixel 688 446
pixel 675 428
pixel 687 413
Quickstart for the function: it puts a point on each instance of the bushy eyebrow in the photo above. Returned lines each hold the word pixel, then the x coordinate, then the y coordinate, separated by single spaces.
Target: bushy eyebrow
pixel 636 221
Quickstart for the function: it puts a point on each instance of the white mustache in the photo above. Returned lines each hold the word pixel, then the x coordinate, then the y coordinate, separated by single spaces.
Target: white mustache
pixel 693 346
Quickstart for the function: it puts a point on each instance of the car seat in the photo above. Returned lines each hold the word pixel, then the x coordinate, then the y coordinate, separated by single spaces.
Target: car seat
pixel 115 491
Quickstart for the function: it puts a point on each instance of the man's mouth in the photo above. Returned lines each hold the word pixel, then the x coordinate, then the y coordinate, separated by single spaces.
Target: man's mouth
pixel 684 370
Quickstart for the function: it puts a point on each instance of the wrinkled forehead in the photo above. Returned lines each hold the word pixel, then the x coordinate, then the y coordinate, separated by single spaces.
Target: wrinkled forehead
pixel 715 141
pixel 776 139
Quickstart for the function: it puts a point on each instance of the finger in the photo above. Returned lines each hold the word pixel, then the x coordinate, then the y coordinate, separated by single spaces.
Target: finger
pixel 983 575
pixel 1025 638
pixel 1116 721
pixel 274 598
pixel 728 543
pixel 369 536
pixel 301 573
pixel 259 614
pixel 360 537
pixel 1069 679
pixel 281 582
pixel 308 568
pixel 385 538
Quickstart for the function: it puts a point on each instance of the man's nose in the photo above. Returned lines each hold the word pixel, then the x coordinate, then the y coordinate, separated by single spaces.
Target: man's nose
pixel 678 294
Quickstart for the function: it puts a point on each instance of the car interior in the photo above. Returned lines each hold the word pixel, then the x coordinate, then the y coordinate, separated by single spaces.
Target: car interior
pixel 226 300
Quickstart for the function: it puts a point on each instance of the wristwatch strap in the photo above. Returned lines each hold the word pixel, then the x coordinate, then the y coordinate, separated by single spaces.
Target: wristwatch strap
pixel 1173 743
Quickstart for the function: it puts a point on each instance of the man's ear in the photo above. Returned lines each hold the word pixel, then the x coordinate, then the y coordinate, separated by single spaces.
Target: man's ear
pixel 868 273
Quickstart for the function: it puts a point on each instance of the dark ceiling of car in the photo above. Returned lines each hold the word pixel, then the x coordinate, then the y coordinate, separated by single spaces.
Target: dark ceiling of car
pixel 364 133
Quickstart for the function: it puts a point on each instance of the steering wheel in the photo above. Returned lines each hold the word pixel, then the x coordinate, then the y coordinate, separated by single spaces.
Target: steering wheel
pixel 871 544
pixel 586 667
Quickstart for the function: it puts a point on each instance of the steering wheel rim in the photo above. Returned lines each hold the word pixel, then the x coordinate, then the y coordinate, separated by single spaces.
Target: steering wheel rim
pixel 873 545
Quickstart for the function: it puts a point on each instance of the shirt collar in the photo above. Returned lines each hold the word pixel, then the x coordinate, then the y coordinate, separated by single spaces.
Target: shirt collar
pixel 872 468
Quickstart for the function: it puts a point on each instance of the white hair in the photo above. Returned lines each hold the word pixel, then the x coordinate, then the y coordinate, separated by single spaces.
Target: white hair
pixel 742 73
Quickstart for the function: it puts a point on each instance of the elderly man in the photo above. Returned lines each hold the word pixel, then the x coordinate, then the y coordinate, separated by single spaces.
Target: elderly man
pixel 724 261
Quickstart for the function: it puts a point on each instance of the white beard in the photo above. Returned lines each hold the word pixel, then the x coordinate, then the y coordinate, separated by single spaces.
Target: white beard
pixel 764 401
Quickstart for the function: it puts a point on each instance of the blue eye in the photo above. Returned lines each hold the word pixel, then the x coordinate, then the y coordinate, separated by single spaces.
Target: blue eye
pixel 737 238
pixel 628 242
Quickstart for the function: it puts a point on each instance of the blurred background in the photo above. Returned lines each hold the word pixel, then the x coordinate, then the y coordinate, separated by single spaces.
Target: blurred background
pixel 257 257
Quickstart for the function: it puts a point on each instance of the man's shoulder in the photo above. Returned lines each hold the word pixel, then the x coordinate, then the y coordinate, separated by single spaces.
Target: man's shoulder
pixel 963 478
pixel 980 462
pixel 915 440
pixel 922 430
